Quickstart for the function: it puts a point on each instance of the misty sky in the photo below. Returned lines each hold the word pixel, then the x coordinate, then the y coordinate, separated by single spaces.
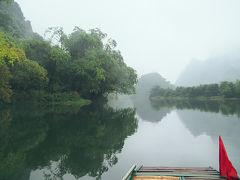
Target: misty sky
pixel 153 35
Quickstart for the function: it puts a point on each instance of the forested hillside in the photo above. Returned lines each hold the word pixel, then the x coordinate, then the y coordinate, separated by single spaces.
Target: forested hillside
pixel 81 64
pixel 12 20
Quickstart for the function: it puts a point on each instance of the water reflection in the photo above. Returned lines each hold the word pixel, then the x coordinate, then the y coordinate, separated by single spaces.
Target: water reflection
pixel 81 141
pixel 211 118
pixel 223 107
pixel 147 112
pixel 102 142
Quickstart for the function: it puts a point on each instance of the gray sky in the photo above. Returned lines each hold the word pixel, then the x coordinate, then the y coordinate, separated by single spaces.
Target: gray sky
pixel 153 35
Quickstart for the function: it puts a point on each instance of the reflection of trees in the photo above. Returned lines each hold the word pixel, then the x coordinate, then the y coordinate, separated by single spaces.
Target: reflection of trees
pixel 83 141
pixel 214 124
pixel 145 110
pixel 212 118
pixel 224 107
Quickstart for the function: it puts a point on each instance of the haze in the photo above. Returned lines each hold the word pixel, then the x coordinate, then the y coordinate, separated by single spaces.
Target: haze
pixel 153 35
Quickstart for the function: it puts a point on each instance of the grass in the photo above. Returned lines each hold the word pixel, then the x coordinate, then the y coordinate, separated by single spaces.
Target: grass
pixel 74 102
pixel 78 102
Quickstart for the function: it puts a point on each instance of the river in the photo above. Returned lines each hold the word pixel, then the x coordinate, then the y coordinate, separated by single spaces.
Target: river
pixel 102 141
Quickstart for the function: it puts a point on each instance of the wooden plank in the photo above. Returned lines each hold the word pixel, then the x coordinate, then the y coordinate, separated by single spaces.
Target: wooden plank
pixel 177 170
pixel 180 172
pixel 178 175
pixel 204 173
pixel 201 178
pixel 165 167
pixel 155 178
pixel 129 173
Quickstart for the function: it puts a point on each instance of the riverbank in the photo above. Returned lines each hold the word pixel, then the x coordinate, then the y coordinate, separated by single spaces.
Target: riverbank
pixel 76 102
pixel 199 98
pixel 44 98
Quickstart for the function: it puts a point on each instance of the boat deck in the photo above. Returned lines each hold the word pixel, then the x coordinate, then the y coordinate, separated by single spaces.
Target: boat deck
pixel 175 173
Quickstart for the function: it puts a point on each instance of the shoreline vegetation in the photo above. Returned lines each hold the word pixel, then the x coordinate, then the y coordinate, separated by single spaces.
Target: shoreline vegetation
pixel 44 98
pixel 69 69
pixel 216 92
pixel 198 98
pixel 75 102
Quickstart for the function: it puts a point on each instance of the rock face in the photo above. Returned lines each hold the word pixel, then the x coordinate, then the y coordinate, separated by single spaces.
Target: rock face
pixel 13 20
pixel 213 70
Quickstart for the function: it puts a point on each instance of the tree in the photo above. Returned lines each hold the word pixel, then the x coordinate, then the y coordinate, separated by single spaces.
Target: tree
pixel 37 50
pixel 237 89
pixel 95 68
pixel 9 52
pixel 10 55
pixel 212 90
pixel 227 89
pixel 5 88
pixel 56 68
pixel 54 59
pixel 6 1
pixel 79 42
pixel 29 75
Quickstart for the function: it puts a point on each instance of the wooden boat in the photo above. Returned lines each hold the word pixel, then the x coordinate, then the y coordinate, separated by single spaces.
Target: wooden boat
pixel 189 173
pixel 172 173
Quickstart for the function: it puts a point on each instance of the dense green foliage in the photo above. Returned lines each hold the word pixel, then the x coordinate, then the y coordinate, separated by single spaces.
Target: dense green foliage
pixel 84 141
pixel 10 55
pixel 225 89
pixel 5 88
pixel 95 68
pixel 28 75
pixel 83 63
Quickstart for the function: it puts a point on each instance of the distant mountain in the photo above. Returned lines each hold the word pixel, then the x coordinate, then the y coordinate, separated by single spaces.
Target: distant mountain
pixel 213 70
pixel 148 81
pixel 141 98
pixel 12 20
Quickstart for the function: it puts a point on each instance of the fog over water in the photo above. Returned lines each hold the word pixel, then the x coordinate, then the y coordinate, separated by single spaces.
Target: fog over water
pixel 153 36
pixel 64 113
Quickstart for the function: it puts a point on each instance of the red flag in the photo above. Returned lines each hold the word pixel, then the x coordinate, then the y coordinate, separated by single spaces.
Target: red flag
pixel 225 166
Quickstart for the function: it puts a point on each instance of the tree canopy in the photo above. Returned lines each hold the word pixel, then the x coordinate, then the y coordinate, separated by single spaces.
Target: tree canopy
pixel 10 54
pixel 225 89
pixel 81 62
pixel 85 63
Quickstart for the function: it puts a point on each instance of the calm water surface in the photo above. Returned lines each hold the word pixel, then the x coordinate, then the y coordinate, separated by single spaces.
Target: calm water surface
pixel 104 141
